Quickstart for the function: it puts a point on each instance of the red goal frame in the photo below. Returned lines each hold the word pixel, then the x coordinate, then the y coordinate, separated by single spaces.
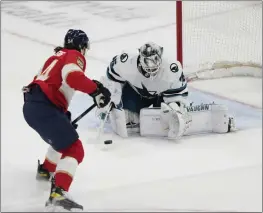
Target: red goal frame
pixel 179 31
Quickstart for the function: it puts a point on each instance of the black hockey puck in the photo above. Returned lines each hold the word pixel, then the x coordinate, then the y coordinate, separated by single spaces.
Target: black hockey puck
pixel 108 142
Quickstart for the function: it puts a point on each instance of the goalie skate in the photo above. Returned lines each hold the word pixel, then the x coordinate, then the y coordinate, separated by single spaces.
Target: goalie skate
pixel 59 201
pixel 232 125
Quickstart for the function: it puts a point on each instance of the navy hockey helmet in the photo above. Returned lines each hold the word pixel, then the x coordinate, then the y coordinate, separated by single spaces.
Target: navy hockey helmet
pixel 151 58
pixel 76 39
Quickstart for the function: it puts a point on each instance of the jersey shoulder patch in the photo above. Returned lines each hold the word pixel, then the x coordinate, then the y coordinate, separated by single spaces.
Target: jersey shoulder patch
pixel 172 70
pixel 75 57
pixel 174 67
pixel 124 57
pixel 80 63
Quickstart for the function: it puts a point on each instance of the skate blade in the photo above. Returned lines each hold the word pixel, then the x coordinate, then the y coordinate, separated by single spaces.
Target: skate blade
pixel 52 208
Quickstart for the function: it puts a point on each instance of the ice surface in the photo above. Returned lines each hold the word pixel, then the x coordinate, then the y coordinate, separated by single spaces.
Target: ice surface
pixel 199 173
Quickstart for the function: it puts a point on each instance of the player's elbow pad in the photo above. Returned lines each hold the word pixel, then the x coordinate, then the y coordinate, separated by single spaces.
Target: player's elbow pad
pixel 78 81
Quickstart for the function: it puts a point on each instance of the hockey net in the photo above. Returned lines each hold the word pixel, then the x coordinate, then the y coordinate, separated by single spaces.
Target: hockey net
pixel 218 39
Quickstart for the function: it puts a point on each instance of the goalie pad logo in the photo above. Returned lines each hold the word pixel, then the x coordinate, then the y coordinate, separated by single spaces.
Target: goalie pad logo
pixel 201 107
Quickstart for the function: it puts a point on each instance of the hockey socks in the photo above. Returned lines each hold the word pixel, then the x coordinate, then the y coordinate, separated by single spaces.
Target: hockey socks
pixel 65 172
pixel 51 160
pixel 67 165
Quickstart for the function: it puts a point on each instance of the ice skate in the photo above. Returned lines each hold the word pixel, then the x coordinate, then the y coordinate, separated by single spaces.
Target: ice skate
pixel 60 201
pixel 132 122
pixel 43 174
pixel 133 127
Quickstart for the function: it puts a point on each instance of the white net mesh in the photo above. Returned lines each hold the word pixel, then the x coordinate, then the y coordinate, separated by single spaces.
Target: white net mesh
pixel 222 31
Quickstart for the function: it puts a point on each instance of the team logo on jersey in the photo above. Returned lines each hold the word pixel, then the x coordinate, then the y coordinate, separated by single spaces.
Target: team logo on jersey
pixel 124 57
pixel 80 62
pixel 174 67
pixel 147 93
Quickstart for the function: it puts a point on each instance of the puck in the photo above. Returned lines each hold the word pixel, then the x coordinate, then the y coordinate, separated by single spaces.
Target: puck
pixel 108 142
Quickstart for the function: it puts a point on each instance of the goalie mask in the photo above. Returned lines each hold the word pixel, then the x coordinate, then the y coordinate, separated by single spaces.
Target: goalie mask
pixel 151 58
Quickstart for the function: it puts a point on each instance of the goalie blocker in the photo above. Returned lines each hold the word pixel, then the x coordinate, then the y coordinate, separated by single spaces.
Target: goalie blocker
pixel 173 121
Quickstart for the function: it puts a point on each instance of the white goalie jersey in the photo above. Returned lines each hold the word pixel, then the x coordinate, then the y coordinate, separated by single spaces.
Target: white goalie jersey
pixel 169 82
pixel 170 119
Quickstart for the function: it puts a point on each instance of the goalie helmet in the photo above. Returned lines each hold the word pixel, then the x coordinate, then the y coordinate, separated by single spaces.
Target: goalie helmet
pixel 150 58
pixel 77 39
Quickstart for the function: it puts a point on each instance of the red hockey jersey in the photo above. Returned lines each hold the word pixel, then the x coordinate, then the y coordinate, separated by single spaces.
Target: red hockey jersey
pixel 63 74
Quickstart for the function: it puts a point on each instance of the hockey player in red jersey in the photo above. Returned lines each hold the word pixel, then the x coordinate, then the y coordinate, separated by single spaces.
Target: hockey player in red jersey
pixel 45 110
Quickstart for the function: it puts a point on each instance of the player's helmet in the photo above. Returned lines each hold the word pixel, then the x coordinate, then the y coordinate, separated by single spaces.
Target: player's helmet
pixel 151 58
pixel 76 39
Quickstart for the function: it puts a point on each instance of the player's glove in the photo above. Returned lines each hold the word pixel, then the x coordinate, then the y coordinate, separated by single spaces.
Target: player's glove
pixel 101 96
pixel 68 114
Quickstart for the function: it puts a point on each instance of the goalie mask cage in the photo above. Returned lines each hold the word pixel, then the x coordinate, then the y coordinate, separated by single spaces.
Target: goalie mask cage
pixel 219 38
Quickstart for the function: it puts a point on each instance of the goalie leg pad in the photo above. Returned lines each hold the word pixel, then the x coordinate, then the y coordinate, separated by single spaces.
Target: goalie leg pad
pixel 219 118
pixel 169 122
pixel 150 123
pixel 124 122
pixel 118 122
pixel 213 119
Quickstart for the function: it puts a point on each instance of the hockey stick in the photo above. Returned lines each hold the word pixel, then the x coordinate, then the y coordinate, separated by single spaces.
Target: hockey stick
pixel 83 114
pixel 103 121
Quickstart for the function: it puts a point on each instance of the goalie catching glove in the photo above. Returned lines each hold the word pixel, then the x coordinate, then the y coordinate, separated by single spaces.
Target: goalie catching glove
pixel 101 96
pixel 175 119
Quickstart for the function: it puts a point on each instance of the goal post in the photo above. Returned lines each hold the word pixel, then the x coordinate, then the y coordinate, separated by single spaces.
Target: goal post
pixel 179 31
